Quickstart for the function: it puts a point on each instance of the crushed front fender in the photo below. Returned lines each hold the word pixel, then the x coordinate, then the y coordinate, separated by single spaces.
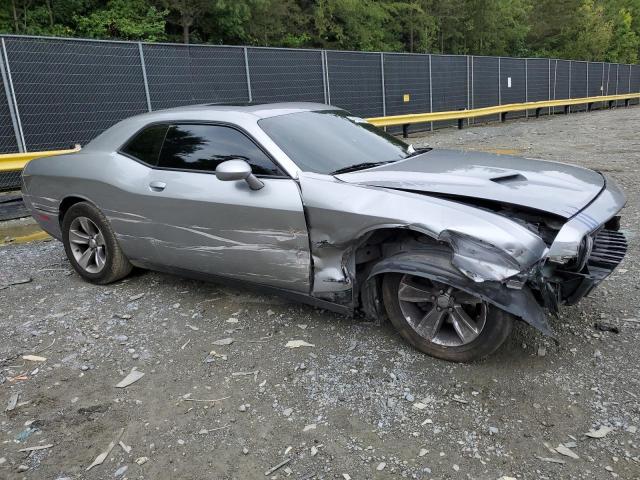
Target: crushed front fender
pixel 436 265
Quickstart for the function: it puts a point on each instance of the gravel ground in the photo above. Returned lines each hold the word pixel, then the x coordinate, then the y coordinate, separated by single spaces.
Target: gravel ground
pixel 357 404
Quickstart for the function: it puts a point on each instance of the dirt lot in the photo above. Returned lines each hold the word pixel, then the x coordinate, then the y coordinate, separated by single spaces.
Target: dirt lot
pixel 358 404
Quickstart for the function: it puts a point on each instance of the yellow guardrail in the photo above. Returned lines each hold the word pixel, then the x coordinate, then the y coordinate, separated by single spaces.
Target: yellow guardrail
pixel 502 110
pixel 11 162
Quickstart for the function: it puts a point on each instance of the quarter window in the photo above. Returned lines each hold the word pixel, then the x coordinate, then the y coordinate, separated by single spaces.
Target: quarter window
pixel 203 147
pixel 146 145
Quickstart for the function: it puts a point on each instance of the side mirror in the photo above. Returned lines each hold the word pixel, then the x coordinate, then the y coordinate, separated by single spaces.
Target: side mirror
pixel 231 170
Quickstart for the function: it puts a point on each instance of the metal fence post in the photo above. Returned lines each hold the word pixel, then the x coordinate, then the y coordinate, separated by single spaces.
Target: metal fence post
pixel 384 96
pixel 430 92
pixel 602 81
pixel 11 100
pixel 468 88
pixel 587 79
pixel 326 62
pixel 324 76
pixel 570 65
pixel 144 76
pixel 526 84
pixel 246 70
pixel 617 72
pixel 549 83
pixel 629 88
pixel 499 84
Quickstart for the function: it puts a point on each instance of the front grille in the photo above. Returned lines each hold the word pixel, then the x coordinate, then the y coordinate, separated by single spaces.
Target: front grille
pixel 609 248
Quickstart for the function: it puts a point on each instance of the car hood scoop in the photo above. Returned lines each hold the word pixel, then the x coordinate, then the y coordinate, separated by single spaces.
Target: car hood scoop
pixel 552 187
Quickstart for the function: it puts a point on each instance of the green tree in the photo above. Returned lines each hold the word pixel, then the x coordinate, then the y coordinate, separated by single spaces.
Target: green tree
pixel 124 19
pixel 625 42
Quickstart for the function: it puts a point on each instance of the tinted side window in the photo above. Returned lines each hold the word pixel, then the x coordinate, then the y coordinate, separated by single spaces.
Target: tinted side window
pixel 203 147
pixel 145 146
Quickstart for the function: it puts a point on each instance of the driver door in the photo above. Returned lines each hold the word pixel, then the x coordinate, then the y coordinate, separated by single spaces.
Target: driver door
pixel 224 228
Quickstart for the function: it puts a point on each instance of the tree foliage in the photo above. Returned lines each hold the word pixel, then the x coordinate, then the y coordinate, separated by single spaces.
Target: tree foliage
pixel 580 29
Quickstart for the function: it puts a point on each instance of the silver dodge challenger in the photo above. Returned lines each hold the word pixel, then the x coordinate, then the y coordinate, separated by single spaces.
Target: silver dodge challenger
pixel 311 202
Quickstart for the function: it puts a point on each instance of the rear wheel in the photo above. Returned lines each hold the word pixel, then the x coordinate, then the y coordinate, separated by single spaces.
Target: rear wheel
pixel 91 245
pixel 443 321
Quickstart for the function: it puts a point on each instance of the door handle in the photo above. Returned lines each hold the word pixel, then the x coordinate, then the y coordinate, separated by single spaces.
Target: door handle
pixel 157 186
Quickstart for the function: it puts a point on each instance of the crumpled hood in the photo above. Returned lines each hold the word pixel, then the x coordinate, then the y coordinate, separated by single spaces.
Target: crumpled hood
pixel 552 187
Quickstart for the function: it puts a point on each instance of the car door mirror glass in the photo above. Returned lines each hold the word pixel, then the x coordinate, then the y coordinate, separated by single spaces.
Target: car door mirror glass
pixel 232 170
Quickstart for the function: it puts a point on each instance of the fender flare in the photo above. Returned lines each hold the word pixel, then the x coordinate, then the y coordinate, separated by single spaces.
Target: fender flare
pixel 435 264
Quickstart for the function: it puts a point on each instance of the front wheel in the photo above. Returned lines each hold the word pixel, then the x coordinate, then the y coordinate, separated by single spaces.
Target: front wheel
pixel 91 245
pixel 443 321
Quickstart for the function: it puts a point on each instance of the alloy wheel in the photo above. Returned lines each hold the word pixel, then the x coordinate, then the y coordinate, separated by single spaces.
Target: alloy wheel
pixel 439 313
pixel 87 244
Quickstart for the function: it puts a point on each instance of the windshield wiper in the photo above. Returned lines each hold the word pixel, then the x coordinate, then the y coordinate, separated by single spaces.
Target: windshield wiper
pixel 359 166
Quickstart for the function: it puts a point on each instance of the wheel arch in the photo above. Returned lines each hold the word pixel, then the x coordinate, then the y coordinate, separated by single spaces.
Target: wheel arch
pixel 390 249
pixel 68 202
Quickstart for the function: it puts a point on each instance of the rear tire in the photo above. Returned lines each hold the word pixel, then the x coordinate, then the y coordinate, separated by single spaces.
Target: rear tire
pixel 442 321
pixel 91 245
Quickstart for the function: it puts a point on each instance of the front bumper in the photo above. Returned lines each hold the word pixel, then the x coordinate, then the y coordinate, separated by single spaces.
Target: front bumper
pixel 608 249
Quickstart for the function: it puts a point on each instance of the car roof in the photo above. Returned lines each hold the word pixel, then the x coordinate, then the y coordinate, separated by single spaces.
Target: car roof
pixel 256 109
pixel 239 114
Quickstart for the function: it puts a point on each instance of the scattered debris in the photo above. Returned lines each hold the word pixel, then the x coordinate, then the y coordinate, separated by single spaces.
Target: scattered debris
pixel 242 408
pixel 311 426
pixel 133 377
pixel 101 458
pixel 39 447
pixel 606 327
pixel 34 358
pixel 278 466
pixel 203 400
pixel 599 433
pixel 13 401
pixel 423 452
pixel 223 341
pixel 302 326
pixel 121 471
pixel 141 460
pixel 232 320
pixel 133 298
pixel 26 433
pixel 18 281
pixel 381 466
pixel 287 412
pixel 419 406
pixel 122 316
pixel 124 446
pixel 542 351
pixel 551 459
pixel 213 355
pixel 185 344
pixel 314 451
pixel 298 344
pixel 567 452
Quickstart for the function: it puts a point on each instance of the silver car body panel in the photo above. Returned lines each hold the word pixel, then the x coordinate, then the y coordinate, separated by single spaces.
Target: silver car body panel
pixel 547 186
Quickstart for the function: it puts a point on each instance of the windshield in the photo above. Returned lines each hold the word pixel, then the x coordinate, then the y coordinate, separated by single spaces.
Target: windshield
pixel 331 140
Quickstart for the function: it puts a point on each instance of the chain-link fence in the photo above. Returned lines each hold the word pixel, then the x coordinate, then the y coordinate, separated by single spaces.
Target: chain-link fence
pixel 60 92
